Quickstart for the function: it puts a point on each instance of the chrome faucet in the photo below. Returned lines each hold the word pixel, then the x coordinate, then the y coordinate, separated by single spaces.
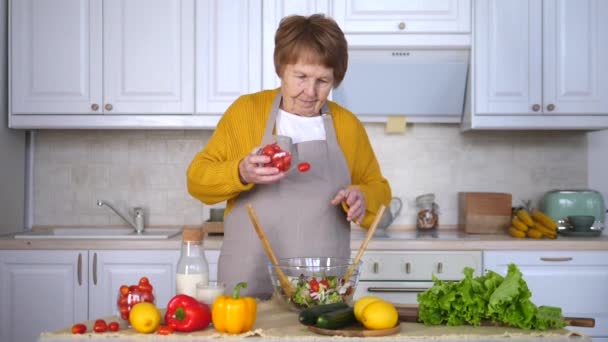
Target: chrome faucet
pixel 137 222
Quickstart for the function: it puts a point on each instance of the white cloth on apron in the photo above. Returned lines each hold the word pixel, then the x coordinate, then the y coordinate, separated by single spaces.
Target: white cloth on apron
pixel 295 213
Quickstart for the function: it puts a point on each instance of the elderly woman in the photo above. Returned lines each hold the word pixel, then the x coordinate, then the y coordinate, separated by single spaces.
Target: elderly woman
pixel 300 212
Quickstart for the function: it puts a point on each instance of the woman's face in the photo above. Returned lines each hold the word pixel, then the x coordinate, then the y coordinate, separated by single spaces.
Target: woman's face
pixel 305 88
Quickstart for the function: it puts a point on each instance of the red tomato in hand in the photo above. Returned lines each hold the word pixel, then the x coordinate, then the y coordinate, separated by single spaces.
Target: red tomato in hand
pixel 268 150
pixel 79 328
pixel 303 167
pixel 113 326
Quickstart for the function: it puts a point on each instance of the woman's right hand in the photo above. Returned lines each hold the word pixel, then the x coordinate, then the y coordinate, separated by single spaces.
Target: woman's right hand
pixel 251 172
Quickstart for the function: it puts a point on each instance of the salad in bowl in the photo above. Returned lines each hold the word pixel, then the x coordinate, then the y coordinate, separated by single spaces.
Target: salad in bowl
pixel 315 281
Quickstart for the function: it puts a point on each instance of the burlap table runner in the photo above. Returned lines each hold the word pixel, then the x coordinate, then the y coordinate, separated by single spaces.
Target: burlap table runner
pixel 274 322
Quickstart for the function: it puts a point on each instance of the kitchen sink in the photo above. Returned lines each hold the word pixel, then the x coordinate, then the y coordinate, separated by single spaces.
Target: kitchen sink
pixel 99 233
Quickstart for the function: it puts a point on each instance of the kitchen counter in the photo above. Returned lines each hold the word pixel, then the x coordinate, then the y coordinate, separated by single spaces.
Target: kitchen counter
pixel 275 323
pixel 401 239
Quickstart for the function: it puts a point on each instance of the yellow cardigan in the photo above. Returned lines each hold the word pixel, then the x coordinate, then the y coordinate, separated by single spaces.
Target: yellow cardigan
pixel 213 174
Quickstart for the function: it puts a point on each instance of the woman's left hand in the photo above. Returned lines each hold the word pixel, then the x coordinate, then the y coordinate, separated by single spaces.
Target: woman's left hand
pixel 354 200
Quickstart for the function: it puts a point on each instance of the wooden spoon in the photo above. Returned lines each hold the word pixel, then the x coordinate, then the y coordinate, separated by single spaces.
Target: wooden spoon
pixel 273 259
pixel 370 233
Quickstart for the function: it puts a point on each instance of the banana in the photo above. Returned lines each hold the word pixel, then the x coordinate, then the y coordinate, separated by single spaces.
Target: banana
pixel 517 224
pixel 524 216
pixel 544 219
pixel 514 232
pixel 534 233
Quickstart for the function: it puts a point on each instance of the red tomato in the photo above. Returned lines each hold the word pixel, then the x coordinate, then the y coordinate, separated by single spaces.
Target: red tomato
pixel 124 290
pixel 325 282
pixel 79 328
pixel 144 287
pixel 144 280
pixel 164 330
pixel 100 326
pixel 268 150
pixel 279 156
pixel 303 167
pixel 314 285
pixel 147 297
pixel 276 147
pixel 132 288
pixel 113 326
pixel 280 165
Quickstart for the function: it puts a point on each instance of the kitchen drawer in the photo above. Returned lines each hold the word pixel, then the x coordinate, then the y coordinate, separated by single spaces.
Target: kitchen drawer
pixel 419 265
pixel 576 281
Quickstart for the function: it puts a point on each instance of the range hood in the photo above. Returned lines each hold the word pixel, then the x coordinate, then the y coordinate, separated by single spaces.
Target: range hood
pixel 424 84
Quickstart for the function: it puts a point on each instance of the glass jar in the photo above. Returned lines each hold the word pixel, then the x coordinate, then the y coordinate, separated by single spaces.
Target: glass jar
pixel 428 215
pixel 192 267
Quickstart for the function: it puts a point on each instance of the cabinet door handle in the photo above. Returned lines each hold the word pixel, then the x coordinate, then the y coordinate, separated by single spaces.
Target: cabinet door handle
pixel 556 259
pixel 376 267
pixel 397 289
pixel 551 107
pixel 109 107
pixel 79 269
pixel 408 268
pixel 536 107
pixel 95 107
pixel 401 25
pixel 439 267
pixel 94 268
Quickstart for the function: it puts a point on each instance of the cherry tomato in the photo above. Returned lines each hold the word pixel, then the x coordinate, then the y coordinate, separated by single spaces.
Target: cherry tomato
pixel 147 297
pixel 324 282
pixel 144 280
pixel 79 328
pixel 124 290
pixel 113 326
pixel 276 147
pixel 144 287
pixel 268 150
pixel 314 285
pixel 164 330
pixel 132 288
pixel 280 165
pixel 303 167
pixel 100 326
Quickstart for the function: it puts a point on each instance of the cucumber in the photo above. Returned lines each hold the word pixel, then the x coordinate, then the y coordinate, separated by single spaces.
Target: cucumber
pixel 309 316
pixel 337 319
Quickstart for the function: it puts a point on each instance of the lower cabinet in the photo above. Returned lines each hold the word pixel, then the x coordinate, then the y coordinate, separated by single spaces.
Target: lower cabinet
pixel 576 281
pixel 45 290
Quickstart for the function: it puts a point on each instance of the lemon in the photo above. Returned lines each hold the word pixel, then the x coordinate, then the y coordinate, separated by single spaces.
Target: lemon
pixel 144 317
pixel 379 315
pixel 361 303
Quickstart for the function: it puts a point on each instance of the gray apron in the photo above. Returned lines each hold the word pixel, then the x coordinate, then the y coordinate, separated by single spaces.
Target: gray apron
pixel 295 213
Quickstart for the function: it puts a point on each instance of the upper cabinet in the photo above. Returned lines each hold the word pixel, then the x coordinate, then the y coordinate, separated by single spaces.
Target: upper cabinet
pixel 405 23
pixel 539 64
pixel 273 12
pixel 131 63
pixel 228 52
pixel 110 56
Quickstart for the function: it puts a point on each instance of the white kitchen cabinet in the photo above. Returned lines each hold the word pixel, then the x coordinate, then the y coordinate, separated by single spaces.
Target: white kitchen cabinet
pixel 273 12
pixel 405 23
pixel 405 16
pixel 228 52
pixel 573 280
pixel 41 291
pixel 398 276
pixel 539 64
pixel 100 57
pixel 55 289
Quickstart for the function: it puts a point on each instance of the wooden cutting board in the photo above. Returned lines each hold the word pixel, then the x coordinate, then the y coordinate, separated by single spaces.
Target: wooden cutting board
pixel 409 313
pixel 355 331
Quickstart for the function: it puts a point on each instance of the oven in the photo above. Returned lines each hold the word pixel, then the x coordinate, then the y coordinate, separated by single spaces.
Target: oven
pixel 399 276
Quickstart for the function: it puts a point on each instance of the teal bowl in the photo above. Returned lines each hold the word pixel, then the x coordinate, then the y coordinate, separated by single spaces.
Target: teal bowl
pixel 581 223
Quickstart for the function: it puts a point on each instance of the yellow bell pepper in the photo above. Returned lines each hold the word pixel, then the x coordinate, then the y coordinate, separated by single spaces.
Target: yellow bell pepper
pixel 236 314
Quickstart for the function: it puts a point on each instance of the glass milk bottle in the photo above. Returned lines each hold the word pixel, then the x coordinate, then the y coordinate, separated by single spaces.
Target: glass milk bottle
pixel 192 267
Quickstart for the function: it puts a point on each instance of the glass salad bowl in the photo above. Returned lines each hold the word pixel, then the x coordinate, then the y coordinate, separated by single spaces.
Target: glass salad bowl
pixel 315 281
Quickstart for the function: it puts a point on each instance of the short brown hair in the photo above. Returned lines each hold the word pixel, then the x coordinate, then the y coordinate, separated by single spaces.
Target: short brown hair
pixel 316 38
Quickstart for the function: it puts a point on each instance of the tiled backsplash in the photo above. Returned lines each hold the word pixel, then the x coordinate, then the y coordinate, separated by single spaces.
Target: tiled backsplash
pixel 72 169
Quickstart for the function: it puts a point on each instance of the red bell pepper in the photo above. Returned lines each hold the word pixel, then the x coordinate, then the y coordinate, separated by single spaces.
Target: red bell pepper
pixel 186 314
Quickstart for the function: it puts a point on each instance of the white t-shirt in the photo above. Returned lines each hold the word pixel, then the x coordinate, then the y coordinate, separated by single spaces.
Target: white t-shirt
pixel 300 128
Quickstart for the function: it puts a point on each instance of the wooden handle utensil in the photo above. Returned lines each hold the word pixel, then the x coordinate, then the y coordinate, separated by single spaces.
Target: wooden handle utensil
pixel 273 259
pixel 370 233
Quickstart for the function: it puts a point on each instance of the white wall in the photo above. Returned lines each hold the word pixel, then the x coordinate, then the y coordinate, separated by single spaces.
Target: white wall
pixel 147 168
pixel 598 162
pixel 12 149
